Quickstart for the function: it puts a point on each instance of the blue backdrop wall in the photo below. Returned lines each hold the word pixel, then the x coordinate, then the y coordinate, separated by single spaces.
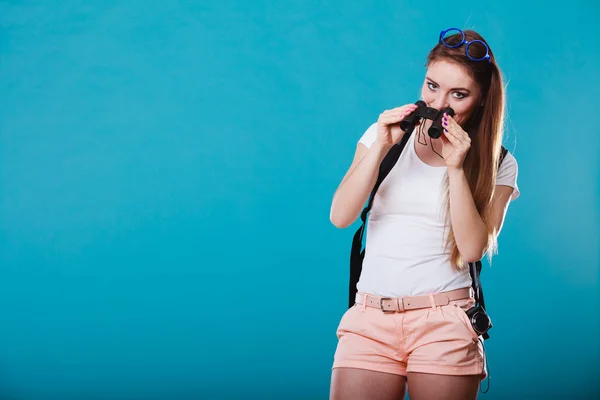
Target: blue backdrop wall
pixel 166 176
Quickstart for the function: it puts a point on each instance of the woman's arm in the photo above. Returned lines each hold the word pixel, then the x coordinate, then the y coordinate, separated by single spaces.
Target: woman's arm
pixel 469 229
pixel 356 186
pixel 352 194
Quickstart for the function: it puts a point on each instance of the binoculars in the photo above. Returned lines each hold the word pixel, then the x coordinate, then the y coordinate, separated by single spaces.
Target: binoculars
pixel 435 130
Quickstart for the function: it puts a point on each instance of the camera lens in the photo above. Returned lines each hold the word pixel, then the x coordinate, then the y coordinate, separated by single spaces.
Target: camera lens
pixel 481 322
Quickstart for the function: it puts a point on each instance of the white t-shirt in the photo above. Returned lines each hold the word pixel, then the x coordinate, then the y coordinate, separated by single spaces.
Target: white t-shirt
pixel 405 236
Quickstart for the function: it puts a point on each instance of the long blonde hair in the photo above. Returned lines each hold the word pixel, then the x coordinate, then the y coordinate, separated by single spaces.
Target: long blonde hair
pixel 485 127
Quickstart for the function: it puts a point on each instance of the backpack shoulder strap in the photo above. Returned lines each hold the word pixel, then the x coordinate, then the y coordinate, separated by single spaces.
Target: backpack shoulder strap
pixel 357 253
pixel 503 152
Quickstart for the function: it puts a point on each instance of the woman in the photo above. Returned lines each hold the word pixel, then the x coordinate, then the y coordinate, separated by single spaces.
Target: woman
pixel 441 207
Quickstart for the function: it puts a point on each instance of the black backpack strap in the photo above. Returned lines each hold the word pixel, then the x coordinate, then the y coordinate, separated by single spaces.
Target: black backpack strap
pixel 503 152
pixel 357 253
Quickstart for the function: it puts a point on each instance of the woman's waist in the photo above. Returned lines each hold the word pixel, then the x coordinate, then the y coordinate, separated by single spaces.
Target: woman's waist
pixel 406 276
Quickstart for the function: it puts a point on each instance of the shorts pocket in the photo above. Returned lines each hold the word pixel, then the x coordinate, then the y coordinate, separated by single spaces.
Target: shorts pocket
pixel 459 310
pixel 346 321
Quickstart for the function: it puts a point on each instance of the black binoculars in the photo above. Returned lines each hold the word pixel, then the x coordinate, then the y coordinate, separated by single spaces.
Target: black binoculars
pixel 435 130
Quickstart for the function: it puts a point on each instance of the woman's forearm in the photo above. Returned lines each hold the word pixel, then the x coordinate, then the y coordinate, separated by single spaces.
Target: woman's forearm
pixel 469 229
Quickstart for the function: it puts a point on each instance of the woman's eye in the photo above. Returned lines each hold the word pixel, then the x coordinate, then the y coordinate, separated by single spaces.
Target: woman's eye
pixel 431 86
pixel 459 95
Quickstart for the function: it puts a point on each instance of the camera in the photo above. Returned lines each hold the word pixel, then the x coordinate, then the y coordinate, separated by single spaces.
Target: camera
pixel 435 130
pixel 479 319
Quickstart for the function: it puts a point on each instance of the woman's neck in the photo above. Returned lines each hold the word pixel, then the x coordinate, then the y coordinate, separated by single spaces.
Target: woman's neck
pixel 429 150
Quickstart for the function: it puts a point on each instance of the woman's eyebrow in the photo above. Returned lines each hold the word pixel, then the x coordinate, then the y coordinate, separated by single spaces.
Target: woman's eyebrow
pixel 435 83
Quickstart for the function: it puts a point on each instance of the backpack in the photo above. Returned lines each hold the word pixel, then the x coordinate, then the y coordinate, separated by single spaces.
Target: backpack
pixel 358 253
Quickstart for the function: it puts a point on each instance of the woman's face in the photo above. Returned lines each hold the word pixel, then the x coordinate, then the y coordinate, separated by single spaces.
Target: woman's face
pixel 448 84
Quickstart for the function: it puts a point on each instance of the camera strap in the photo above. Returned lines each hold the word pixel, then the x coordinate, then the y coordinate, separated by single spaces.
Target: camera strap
pixel 475 271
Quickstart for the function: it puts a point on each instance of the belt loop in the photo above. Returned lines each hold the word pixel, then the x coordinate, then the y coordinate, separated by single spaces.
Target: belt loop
pixel 432 298
pixel 365 299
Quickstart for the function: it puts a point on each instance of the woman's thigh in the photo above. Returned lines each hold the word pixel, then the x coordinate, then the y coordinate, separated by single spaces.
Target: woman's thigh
pixel 423 386
pixel 355 384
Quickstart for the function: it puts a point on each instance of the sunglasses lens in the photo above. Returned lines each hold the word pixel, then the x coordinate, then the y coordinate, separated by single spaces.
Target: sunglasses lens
pixel 453 38
pixel 477 50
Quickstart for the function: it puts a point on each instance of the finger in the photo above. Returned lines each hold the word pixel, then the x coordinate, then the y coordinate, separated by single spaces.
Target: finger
pixel 393 116
pixel 454 140
pixel 391 119
pixel 453 126
pixel 447 122
pixel 406 109
pixel 447 125
pixel 408 106
pixel 444 140
pixel 452 131
pixel 456 130
pixel 448 117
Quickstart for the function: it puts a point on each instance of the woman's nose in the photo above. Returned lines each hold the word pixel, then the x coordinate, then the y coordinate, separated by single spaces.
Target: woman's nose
pixel 440 103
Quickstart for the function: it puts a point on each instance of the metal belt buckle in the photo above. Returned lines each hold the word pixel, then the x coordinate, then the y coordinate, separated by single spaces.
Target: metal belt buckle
pixel 381 305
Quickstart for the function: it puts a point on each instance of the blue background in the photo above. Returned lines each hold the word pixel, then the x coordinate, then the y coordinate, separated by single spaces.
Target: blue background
pixel 167 172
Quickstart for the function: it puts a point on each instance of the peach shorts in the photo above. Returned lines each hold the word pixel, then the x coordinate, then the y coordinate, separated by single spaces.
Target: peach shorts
pixel 435 340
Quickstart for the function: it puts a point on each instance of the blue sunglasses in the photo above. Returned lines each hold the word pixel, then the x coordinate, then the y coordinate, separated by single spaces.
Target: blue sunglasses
pixel 456 31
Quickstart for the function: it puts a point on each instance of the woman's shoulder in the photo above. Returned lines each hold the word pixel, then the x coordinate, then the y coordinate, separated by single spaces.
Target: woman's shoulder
pixel 369 135
pixel 509 161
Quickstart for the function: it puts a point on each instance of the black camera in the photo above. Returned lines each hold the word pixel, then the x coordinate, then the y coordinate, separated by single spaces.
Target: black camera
pixel 435 130
pixel 480 321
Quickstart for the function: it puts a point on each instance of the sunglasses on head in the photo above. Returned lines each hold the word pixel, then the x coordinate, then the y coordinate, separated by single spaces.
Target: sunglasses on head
pixel 449 37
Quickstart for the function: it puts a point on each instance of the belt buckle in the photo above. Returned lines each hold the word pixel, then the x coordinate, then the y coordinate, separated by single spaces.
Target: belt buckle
pixel 381 305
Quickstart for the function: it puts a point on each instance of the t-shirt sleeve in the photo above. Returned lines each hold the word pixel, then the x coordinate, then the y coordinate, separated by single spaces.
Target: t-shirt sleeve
pixel 369 136
pixel 507 174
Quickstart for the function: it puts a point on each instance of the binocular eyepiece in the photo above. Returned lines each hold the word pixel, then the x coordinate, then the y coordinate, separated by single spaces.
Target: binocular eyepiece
pixel 435 130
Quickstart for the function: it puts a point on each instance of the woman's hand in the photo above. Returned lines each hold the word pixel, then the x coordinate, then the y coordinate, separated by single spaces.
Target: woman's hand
pixel 388 125
pixel 456 143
